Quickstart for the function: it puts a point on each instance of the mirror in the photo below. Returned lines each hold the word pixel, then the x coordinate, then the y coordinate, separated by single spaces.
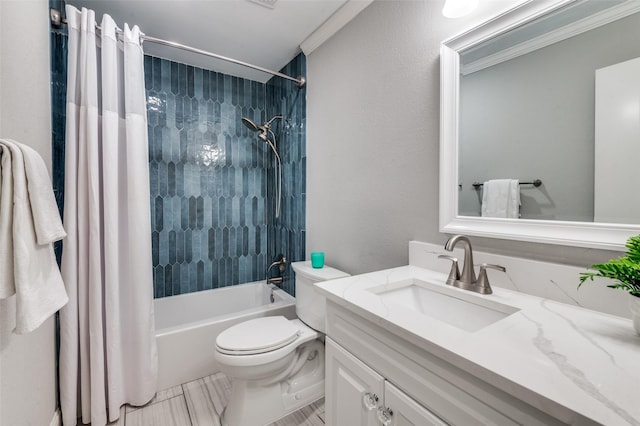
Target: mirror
pixel 538 94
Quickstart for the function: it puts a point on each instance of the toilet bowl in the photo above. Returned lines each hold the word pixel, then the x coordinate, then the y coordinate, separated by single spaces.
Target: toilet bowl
pixel 276 365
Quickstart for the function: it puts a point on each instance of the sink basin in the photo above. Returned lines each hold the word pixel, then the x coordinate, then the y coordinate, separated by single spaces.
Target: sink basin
pixel 465 311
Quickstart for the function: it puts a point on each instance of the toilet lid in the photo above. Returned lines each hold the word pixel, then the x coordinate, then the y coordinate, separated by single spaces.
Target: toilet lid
pixel 257 335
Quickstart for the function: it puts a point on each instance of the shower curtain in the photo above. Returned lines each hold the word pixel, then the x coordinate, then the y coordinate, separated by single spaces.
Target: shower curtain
pixel 108 353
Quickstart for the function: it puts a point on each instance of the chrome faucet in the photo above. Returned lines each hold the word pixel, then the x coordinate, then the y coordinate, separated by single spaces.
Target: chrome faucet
pixel 281 264
pixel 468 275
pixel 467 279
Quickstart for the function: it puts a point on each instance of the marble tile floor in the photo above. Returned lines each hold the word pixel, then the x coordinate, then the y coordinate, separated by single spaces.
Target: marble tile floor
pixel 199 403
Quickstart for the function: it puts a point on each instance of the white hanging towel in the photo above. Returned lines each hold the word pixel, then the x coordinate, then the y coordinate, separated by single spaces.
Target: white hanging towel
pixel 501 198
pixel 29 224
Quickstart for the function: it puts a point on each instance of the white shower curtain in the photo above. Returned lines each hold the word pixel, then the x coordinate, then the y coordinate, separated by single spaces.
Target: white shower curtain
pixel 108 353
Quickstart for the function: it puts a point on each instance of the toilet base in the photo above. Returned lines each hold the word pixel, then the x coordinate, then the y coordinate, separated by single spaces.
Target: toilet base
pixel 257 403
pixel 266 406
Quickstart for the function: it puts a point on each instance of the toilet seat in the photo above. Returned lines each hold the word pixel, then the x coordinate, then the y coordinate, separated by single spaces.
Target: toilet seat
pixel 257 336
pixel 243 359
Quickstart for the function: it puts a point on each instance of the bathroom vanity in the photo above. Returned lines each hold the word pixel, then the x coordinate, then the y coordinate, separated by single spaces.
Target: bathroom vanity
pixel 404 348
pixel 394 357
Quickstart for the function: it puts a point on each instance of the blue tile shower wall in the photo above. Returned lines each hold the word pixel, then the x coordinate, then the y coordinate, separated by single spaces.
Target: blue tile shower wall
pixel 211 191
pixel 286 235
pixel 58 49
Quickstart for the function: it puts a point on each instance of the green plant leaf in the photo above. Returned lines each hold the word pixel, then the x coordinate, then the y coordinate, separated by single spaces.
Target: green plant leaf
pixel 624 270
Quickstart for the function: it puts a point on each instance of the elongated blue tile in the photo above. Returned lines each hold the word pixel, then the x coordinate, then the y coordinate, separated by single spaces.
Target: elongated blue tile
pixel 200 276
pixel 193 283
pixel 225 242
pixel 179 179
pixel 155 247
pixel 157 74
pixel 199 212
pixel 211 243
pixel 184 213
pixel 171 179
pixel 188 246
pixel 158 282
pixel 180 251
pixel 218 244
pixel 184 279
pixel 234 271
pixel 175 277
pixel 232 243
pixel 173 222
pixel 196 245
pixel 172 247
pixel 192 212
pixel 163 247
pixel 158 213
pixel 222 276
pixel 207 275
pixel 148 72
pixel 190 83
pixel 175 86
pixel 168 277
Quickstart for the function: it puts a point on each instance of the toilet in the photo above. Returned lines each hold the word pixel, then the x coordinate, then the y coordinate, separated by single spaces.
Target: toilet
pixel 276 365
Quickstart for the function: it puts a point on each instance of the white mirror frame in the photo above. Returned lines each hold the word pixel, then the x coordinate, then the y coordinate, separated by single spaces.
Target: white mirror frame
pixel 580 234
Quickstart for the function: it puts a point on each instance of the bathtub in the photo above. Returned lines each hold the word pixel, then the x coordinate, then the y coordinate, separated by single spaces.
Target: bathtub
pixel 187 326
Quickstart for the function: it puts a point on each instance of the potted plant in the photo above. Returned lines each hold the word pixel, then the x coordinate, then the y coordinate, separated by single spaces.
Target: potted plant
pixel 625 271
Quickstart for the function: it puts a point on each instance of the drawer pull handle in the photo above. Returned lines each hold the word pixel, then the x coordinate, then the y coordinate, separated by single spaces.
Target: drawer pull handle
pixel 385 416
pixel 370 401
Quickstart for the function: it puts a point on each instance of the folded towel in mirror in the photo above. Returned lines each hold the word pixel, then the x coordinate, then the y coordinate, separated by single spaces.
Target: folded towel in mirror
pixel 501 198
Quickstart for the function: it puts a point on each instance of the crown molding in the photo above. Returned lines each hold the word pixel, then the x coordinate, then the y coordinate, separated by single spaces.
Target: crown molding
pixel 339 19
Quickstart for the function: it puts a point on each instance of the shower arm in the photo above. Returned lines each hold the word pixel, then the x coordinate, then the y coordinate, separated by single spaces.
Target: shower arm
pixel 268 123
pixel 266 127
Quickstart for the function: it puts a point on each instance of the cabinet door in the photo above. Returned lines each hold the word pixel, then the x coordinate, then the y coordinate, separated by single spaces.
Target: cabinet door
pixel 405 411
pixel 351 389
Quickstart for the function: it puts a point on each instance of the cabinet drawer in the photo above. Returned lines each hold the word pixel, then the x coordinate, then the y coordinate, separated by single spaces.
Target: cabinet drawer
pixel 406 411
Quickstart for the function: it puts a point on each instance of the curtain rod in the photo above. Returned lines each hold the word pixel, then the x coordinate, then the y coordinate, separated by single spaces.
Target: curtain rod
pixel 58 20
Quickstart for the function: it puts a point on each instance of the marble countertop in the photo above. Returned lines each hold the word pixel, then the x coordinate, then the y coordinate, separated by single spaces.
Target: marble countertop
pixel 555 357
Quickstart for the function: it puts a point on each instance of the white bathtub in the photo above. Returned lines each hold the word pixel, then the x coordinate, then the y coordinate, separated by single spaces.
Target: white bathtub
pixel 187 326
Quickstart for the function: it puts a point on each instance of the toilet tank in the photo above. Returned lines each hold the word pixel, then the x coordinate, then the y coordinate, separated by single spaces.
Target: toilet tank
pixel 310 304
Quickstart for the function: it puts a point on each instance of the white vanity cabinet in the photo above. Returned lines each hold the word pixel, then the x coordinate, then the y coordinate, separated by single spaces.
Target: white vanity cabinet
pixel 365 361
pixel 357 395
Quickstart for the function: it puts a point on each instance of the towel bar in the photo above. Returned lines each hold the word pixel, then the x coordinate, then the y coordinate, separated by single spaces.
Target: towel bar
pixel 536 183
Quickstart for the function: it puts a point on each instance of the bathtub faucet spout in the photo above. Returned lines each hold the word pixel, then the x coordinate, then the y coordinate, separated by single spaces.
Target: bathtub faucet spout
pixel 280 262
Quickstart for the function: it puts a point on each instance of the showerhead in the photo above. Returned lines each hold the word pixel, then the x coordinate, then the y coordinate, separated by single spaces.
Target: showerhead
pixel 251 125
pixel 257 128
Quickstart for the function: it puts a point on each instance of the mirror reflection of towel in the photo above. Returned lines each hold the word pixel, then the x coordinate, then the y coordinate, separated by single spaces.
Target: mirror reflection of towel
pixel 501 198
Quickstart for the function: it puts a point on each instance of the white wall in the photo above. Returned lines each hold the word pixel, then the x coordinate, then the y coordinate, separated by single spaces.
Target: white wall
pixel 373 139
pixel 27 362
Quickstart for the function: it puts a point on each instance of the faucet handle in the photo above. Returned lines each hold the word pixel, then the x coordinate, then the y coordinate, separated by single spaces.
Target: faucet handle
pixel 491 266
pixel 454 274
pixel 483 280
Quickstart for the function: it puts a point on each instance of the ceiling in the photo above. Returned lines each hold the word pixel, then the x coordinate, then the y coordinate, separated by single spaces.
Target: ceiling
pixel 239 29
